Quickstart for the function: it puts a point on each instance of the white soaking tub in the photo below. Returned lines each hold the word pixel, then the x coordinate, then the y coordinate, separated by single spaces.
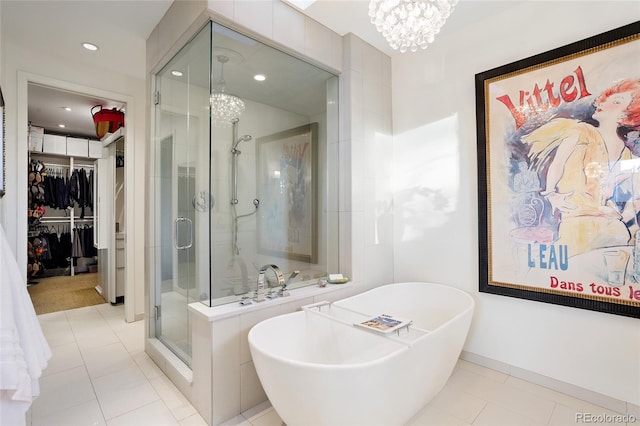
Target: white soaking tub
pixel 317 368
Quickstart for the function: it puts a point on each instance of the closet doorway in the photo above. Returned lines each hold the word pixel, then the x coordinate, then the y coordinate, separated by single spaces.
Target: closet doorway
pixel 76 204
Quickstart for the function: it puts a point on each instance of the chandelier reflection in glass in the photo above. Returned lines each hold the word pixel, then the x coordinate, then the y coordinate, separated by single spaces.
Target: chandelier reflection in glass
pixel 225 108
pixel 410 24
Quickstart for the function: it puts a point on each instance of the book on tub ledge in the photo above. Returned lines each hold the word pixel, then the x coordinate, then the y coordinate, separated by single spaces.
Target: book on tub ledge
pixel 384 323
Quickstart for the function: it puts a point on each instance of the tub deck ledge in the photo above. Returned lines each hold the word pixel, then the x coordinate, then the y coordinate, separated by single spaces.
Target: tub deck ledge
pixel 227 310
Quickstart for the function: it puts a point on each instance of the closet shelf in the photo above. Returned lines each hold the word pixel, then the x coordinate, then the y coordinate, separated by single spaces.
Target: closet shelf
pixel 110 138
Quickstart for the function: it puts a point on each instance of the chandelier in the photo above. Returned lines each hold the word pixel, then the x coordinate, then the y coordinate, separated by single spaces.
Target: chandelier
pixel 225 108
pixel 409 24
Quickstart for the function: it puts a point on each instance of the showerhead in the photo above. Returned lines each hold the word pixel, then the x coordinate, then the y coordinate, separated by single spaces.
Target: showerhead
pixel 245 138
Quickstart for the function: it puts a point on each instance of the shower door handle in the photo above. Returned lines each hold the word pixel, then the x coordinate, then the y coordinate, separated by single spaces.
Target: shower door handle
pixel 176 224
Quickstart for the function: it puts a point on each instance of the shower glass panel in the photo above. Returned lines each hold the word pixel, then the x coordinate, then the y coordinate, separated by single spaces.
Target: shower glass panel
pixel 182 203
pixel 274 171
pixel 233 195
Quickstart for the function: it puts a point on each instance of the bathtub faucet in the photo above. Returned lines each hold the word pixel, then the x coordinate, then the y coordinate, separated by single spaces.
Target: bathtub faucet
pixel 261 288
pixel 283 290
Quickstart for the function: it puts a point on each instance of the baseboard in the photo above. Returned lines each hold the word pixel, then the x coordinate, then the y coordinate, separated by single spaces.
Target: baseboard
pixel 596 398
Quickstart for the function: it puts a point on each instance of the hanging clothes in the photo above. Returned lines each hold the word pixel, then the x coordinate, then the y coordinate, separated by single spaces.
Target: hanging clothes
pixel 66 247
pixel 86 238
pixel 76 250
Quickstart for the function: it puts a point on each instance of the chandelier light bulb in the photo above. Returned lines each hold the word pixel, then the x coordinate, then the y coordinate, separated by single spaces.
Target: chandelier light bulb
pixel 410 24
pixel 225 108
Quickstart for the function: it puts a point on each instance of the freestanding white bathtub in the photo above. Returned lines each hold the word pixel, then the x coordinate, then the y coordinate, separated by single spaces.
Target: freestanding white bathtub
pixel 317 368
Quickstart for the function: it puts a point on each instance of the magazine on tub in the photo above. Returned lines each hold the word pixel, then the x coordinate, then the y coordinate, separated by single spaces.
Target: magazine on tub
pixel 384 323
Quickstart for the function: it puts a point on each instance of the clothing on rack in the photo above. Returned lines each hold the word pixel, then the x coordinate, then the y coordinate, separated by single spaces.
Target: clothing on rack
pixel 53 187
pixel 62 187
pixel 79 189
pixel 83 242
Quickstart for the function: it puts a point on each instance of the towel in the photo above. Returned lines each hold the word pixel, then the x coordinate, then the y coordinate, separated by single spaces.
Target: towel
pixel 24 351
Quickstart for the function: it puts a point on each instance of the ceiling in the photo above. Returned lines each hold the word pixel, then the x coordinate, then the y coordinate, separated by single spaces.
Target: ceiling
pixel 121 28
pixel 57 28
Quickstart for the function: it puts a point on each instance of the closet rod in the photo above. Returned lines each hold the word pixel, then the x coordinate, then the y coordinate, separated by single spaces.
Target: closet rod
pixel 58 166
pixel 66 218
pixel 54 220
pixel 67 166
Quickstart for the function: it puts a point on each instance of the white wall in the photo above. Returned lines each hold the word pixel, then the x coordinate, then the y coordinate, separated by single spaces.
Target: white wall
pixel 20 62
pixel 2 204
pixel 436 239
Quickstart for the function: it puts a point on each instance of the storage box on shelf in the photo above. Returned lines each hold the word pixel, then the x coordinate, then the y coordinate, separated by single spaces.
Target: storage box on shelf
pixel 36 138
pixel 45 143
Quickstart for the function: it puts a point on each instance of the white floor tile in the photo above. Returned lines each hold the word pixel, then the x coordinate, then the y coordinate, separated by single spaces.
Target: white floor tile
pixel 237 421
pixel 537 409
pixel 132 337
pixel 482 371
pixel 433 416
pixel 118 395
pixel 494 415
pixel 563 415
pixel 154 414
pixel 146 364
pixel 111 311
pixel 86 414
pixel 196 420
pixel 56 329
pixel 106 360
pixel 64 357
pixel 172 397
pixel 62 391
pixel 267 418
pixel 95 335
pixel 462 405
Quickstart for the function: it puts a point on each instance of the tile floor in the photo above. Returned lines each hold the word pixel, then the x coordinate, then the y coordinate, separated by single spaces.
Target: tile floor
pixel 100 375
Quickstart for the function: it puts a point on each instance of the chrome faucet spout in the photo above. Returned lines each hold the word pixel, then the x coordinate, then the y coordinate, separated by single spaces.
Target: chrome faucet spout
pixel 261 287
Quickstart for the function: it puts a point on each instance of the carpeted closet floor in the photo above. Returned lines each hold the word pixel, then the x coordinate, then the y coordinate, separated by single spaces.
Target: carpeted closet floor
pixel 53 294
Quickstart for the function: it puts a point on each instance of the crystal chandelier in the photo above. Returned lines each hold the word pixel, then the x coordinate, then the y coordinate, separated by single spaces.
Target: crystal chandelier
pixel 409 24
pixel 225 108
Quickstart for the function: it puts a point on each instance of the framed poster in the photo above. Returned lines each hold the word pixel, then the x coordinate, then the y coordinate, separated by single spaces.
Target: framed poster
pixel 559 175
pixel 287 190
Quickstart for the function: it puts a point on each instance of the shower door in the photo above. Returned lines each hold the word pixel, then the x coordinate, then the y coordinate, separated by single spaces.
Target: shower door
pixel 182 201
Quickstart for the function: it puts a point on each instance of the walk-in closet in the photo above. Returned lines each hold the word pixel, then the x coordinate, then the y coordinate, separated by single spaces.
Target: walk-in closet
pixel 75 203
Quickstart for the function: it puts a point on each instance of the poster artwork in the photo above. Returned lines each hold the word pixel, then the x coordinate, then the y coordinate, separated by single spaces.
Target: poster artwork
pixel 563 176
pixel 286 170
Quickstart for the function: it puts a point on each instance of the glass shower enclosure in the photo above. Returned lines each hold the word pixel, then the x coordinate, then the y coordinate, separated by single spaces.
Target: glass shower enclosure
pixel 229 196
pixel 181 152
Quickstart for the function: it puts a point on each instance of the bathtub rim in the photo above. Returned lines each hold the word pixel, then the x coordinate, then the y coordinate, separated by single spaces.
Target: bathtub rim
pixel 402 346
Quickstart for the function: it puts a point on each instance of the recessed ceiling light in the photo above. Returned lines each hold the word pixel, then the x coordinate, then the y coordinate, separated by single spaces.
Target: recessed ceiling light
pixel 177 73
pixel 89 46
pixel 62 126
pixel 259 77
pixel 66 108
